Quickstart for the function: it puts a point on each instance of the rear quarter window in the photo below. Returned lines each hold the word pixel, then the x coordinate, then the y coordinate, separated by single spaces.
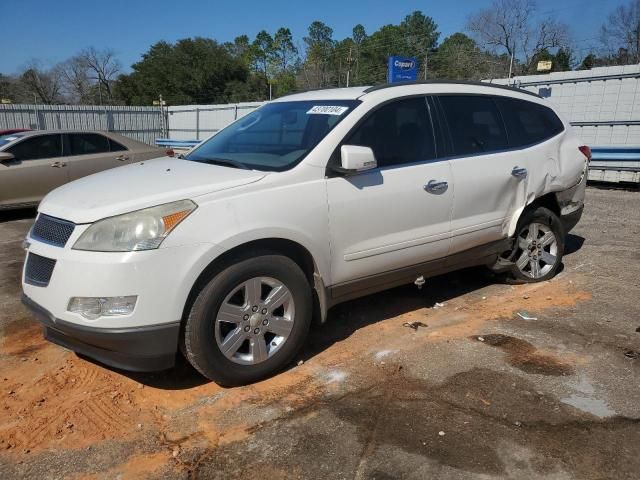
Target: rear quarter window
pixel 87 143
pixel 115 146
pixel 474 123
pixel 527 122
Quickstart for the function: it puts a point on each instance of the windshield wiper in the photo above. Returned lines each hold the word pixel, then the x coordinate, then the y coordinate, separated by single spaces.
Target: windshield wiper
pixel 224 161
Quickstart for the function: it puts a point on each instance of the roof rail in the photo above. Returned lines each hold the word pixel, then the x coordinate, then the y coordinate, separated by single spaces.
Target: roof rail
pixel 451 82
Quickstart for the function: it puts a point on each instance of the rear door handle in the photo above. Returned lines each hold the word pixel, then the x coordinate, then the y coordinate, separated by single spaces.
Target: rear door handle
pixel 122 158
pixel 519 172
pixel 434 186
pixel 58 164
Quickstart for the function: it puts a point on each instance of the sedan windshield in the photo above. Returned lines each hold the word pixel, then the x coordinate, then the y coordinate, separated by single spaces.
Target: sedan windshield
pixel 275 137
pixel 4 139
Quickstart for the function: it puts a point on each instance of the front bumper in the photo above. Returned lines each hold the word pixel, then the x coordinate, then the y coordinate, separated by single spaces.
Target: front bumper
pixel 139 349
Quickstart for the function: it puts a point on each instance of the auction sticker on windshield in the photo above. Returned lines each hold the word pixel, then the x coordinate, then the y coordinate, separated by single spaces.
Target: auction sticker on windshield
pixel 327 110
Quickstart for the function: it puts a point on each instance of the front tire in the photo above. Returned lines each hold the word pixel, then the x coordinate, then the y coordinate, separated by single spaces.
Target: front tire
pixel 538 247
pixel 249 320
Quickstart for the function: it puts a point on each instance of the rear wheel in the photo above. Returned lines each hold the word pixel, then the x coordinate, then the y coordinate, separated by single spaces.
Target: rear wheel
pixel 538 247
pixel 249 321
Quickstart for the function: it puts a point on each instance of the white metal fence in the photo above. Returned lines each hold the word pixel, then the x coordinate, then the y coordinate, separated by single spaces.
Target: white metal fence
pixel 603 103
pixel 141 123
pixel 197 122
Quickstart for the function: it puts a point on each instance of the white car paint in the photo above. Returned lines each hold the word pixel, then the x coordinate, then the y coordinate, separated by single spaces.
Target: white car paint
pixel 353 227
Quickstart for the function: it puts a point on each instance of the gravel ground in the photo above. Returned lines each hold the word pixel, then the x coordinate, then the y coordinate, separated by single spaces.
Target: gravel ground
pixel 475 391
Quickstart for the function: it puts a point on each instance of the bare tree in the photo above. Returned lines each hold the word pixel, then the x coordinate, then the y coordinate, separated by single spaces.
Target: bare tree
pixel 76 79
pixel 45 85
pixel 622 31
pixel 508 26
pixel 103 67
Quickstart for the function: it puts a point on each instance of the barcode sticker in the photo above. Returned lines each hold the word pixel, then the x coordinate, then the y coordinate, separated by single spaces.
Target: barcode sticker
pixel 327 110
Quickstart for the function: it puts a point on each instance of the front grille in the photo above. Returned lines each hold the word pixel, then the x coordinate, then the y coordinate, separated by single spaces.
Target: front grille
pixel 52 230
pixel 38 270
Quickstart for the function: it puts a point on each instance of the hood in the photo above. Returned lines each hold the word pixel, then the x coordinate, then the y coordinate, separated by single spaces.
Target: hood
pixel 140 185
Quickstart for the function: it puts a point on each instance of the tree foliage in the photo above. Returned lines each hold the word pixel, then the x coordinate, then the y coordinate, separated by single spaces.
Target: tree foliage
pixel 197 70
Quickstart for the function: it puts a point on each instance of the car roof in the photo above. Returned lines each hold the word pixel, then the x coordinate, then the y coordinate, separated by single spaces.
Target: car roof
pixel 426 87
pixel 128 142
pixel 349 93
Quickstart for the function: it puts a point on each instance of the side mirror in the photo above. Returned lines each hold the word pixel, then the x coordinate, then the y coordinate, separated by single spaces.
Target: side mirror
pixel 355 159
pixel 6 157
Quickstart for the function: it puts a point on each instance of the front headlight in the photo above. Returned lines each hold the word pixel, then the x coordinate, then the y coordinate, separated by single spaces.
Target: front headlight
pixel 140 230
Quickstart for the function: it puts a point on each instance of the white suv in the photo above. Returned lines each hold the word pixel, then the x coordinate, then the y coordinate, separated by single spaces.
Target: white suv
pixel 311 200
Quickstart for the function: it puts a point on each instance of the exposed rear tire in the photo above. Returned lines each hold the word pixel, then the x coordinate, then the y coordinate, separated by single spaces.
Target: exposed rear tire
pixel 538 246
pixel 249 320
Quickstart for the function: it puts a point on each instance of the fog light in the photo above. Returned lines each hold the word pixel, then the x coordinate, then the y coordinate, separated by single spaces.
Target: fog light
pixel 95 307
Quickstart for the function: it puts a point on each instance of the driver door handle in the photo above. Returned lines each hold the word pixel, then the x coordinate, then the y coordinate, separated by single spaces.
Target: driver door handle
pixel 435 186
pixel 519 172
pixel 58 164
pixel 122 158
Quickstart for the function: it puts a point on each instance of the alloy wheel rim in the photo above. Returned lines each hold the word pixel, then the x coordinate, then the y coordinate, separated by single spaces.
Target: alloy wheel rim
pixel 536 250
pixel 254 320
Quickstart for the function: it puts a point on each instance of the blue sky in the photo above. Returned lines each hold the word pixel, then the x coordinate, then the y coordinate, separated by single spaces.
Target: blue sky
pixel 52 30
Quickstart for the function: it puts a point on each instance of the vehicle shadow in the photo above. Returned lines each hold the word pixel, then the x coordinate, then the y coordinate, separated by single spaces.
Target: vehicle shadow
pixel 343 321
pixel 21 214
pixel 181 377
pixel 600 185
pixel 573 243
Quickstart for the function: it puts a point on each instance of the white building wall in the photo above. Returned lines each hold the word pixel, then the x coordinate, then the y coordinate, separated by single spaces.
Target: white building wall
pixel 603 103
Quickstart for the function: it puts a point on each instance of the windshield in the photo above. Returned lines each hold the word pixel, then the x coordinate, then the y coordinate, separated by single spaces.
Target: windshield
pixel 275 137
pixel 4 139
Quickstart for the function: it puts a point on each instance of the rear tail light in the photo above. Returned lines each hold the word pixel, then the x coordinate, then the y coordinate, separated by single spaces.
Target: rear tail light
pixel 586 151
pixel 171 153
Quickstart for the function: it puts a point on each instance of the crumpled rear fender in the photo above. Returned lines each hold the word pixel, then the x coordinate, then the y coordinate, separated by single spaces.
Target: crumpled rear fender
pixel 563 172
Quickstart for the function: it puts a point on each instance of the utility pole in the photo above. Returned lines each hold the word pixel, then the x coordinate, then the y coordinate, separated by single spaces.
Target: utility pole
pixel 513 51
pixel 163 119
pixel 426 63
pixel 426 60
pixel 349 60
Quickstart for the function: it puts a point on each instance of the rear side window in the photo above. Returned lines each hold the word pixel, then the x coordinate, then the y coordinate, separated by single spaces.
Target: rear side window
pixel 87 143
pixel 475 124
pixel 115 146
pixel 42 146
pixel 398 133
pixel 528 122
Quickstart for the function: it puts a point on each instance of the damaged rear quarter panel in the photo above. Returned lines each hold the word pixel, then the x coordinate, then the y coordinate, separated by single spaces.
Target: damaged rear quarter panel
pixel 556 165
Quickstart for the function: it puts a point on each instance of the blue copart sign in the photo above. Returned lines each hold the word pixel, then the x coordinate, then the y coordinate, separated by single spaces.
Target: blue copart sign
pixel 402 69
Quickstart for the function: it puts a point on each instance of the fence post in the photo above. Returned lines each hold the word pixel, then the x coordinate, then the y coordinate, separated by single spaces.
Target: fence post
pixel 197 123
pixel 235 113
pixel 37 115
pixel 111 126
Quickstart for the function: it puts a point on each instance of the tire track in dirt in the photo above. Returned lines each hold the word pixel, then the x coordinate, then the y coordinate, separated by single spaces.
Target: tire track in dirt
pixel 60 401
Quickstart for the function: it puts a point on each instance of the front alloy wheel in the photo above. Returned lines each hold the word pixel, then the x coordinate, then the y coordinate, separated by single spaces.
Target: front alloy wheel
pixel 255 320
pixel 249 320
